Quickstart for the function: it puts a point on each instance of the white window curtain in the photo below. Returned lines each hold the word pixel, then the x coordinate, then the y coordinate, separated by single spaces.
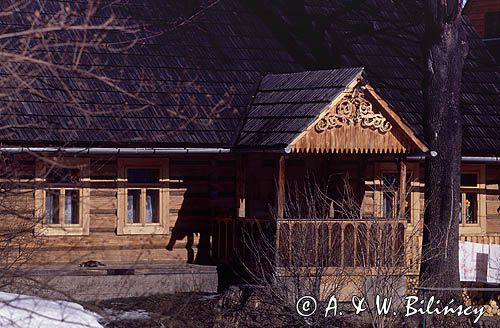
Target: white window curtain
pixel 71 207
pixel 131 210
pixel 68 209
pixel 149 208
pixel 50 212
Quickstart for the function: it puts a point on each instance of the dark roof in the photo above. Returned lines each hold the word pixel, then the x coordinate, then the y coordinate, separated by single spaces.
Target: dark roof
pixel 384 37
pixel 286 104
pixel 189 85
pixel 192 85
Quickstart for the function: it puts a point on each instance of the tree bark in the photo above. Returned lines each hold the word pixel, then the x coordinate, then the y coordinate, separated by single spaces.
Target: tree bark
pixel 444 55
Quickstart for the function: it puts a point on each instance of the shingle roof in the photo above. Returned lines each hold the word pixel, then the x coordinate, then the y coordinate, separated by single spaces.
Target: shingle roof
pixel 189 85
pixel 286 104
pixel 198 79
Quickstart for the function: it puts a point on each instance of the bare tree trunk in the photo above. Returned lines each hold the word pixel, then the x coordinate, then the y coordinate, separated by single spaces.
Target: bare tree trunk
pixel 444 55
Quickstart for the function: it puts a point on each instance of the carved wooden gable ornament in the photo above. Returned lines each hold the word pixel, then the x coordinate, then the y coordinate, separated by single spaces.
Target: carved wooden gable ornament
pixel 354 109
pixel 358 121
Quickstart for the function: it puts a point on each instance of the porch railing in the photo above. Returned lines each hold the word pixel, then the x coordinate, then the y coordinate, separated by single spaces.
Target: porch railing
pixel 491 238
pixel 229 236
pixel 342 244
pixel 335 243
pixel 345 243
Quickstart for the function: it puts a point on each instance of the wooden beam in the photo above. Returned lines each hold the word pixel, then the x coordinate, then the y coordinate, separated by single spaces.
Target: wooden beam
pixel 281 187
pixel 402 188
pixel 240 187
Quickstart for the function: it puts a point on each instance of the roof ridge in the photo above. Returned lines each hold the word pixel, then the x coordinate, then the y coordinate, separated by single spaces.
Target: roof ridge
pixel 360 68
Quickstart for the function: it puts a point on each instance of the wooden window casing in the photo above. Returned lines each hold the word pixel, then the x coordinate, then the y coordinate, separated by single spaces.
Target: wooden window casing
pixel 58 224
pixel 384 194
pixel 57 208
pixel 473 198
pixel 390 195
pixel 140 222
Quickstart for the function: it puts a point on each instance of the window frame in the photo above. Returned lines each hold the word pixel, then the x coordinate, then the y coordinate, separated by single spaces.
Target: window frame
pixel 480 191
pixel 62 206
pixel 394 196
pixel 143 228
pixel 81 228
pixel 413 182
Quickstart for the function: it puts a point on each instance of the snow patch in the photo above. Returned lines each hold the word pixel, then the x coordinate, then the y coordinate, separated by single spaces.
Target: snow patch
pixel 209 297
pixel 118 315
pixel 23 311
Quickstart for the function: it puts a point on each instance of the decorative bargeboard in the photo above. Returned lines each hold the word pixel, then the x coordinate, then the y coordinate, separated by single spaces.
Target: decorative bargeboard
pixel 354 109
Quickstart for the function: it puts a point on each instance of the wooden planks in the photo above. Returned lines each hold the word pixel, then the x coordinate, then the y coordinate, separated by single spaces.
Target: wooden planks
pixel 281 186
pixel 476 11
pixel 202 186
pixel 354 138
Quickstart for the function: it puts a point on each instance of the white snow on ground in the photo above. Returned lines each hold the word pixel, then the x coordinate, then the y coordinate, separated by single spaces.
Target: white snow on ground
pixel 208 297
pixel 117 315
pixel 23 311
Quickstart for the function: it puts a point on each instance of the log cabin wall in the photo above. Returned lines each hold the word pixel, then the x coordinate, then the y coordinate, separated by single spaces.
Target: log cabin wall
pixel 203 187
pixel 487 191
pixel 324 171
pixel 364 176
pixel 331 173
pixel 260 174
pixel 476 10
pixel 200 187
pixel 493 198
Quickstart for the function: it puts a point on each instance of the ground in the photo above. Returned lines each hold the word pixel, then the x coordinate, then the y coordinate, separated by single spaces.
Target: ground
pixel 234 309
pixel 197 310
pixel 173 310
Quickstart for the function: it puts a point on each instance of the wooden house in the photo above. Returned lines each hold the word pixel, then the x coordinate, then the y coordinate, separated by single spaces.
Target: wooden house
pixel 484 15
pixel 243 103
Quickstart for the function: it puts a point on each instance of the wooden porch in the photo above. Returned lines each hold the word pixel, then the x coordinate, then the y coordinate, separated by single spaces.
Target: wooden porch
pixel 335 243
pixel 346 244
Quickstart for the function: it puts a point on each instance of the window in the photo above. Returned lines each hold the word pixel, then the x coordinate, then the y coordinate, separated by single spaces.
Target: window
pixel 472 214
pixel 387 192
pixel 469 198
pixel 492 25
pixel 62 197
pixel 143 196
pixel 62 206
pixel 390 191
pixel 390 196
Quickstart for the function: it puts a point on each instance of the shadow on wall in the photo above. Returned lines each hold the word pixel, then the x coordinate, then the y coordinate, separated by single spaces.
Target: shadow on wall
pixel 190 224
pixel 498 188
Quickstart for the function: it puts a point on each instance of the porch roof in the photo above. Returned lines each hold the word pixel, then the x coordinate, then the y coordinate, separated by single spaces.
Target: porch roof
pixel 286 104
pixel 288 109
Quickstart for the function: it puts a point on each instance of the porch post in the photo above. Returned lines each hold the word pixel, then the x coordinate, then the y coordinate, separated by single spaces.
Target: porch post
pixel 240 187
pixel 281 187
pixel 402 188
